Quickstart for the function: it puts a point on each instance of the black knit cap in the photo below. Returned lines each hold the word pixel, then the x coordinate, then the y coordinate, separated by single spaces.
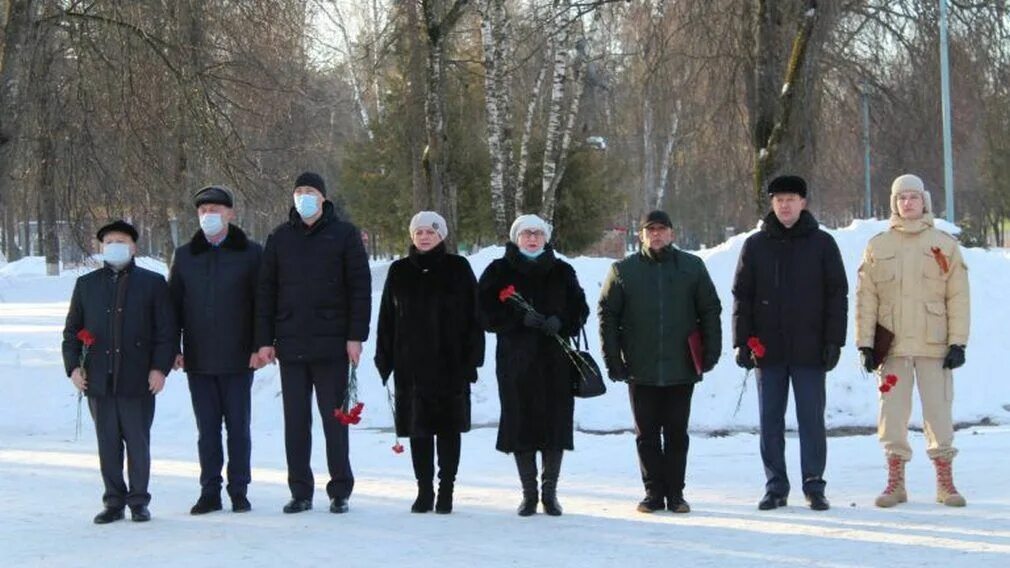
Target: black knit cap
pixel 311 179
pixel 788 184
pixel 119 226
pixel 218 194
pixel 654 218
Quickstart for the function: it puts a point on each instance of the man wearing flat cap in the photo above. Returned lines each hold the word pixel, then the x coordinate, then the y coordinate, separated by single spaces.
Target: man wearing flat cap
pixel 213 288
pixel 121 321
pixel 654 306
pixel 313 307
pixel 790 305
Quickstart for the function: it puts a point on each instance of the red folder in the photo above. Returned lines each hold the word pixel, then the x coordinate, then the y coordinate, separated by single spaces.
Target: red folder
pixel 697 349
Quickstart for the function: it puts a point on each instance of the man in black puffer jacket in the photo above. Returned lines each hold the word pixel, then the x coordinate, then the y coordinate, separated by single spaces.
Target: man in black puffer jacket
pixel 312 313
pixel 213 287
pixel 790 298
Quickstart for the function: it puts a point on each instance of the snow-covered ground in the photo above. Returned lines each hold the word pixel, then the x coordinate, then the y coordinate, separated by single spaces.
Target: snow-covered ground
pixel 50 486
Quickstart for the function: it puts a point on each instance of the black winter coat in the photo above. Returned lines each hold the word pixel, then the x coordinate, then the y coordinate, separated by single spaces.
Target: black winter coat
pixel 148 340
pixel 429 339
pixel 213 291
pixel 790 291
pixel 315 289
pixel 534 376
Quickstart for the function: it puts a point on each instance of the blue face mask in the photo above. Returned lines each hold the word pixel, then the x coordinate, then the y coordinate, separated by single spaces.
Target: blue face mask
pixel 532 255
pixel 307 205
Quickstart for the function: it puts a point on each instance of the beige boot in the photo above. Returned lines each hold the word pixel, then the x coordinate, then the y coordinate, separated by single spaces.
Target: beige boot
pixel 894 493
pixel 946 493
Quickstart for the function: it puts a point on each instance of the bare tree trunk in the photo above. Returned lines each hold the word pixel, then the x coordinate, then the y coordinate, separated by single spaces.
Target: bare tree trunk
pixel 13 69
pixel 667 156
pixel 524 143
pixel 43 88
pixel 496 100
pixel 578 86
pixel 772 122
pixel 561 36
pixel 648 152
pixel 415 104
pixel 337 18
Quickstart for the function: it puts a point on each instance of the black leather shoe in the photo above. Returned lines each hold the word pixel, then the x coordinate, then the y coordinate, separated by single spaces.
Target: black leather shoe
pixel 206 504
pixel 339 505
pixel 650 504
pixel 678 505
pixel 528 506
pixel 109 515
pixel 298 506
pixel 140 513
pixel 818 501
pixel 771 501
pixel 240 504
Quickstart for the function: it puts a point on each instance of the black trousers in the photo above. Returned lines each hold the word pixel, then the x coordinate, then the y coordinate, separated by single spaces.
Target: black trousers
pixel 123 421
pixel 223 398
pixel 661 416
pixel 329 380
pixel 422 455
pixel 773 398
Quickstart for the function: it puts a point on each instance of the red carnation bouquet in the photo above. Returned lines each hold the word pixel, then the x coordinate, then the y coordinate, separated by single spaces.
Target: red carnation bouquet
pixel 757 351
pixel 87 339
pixel 510 294
pixel 397 447
pixel 350 411
pixel 887 383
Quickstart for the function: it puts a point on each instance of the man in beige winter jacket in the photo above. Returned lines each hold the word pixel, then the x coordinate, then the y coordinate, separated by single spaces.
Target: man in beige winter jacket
pixel 914 283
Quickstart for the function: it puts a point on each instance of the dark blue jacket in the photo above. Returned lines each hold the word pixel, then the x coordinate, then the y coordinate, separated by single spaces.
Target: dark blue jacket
pixel 213 290
pixel 790 291
pixel 315 289
pixel 145 338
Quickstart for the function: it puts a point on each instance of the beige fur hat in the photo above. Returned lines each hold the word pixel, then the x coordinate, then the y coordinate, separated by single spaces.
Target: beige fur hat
pixel 909 182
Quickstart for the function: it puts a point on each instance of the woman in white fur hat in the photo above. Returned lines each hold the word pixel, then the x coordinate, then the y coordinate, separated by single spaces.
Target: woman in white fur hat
pixel 534 384
pixel 430 341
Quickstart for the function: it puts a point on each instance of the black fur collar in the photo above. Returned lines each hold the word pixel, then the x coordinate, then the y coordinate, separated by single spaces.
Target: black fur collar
pixel 236 240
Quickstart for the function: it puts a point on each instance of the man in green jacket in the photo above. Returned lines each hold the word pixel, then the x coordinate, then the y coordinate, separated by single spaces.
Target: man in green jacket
pixel 653 307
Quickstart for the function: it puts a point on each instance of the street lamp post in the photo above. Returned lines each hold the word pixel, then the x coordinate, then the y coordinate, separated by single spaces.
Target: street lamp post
pixel 948 157
pixel 865 104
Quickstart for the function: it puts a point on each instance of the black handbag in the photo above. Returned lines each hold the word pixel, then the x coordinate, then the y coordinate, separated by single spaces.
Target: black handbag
pixel 587 380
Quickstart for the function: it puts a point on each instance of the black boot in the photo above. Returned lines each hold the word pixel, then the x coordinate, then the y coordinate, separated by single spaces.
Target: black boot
pixel 422 456
pixel 425 497
pixel 448 464
pixel 443 505
pixel 526 463
pixel 207 503
pixel 549 488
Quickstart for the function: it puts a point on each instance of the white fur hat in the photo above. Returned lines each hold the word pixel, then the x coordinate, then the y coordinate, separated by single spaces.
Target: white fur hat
pixel 531 223
pixel 909 182
pixel 429 219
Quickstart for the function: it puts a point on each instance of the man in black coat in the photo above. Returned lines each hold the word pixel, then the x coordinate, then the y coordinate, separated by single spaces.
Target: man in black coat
pixel 312 312
pixel 122 316
pixel 213 288
pixel 790 303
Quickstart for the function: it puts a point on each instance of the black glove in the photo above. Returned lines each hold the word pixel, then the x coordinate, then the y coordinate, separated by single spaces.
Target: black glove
pixel 744 357
pixel 869 359
pixel 551 326
pixel 831 354
pixel 534 319
pixel 954 358
pixel 708 362
pixel 617 371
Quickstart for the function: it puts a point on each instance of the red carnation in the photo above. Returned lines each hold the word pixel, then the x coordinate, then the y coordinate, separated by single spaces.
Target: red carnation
pixel 506 293
pixel 398 448
pixel 756 347
pixel 86 337
pixel 885 388
pixel 891 380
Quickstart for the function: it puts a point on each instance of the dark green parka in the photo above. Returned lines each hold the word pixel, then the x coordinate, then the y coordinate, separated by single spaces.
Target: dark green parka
pixel 650 304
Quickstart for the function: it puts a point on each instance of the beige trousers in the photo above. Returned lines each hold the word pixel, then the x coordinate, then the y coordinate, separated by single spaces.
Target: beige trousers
pixel 936 393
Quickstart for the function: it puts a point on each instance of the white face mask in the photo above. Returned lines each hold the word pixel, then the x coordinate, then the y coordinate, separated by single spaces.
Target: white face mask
pixel 211 223
pixel 117 254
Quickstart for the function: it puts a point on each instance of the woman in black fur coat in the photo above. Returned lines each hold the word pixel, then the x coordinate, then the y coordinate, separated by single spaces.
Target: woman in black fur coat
pixel 429 339
pixel 534 378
